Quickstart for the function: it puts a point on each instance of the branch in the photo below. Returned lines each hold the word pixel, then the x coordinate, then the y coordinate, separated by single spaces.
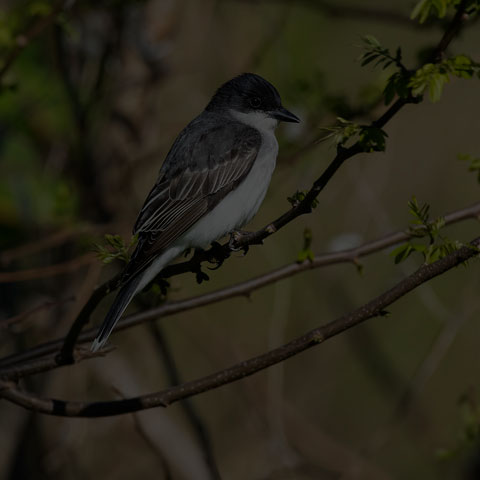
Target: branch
pixel 21 317
pixel 303 207
pixel 55 239
pixel 66 354
pixel 253 238
pixel 343 154
pixel 25 363
pixel 451 32
pixel 374 308
pixel 49 271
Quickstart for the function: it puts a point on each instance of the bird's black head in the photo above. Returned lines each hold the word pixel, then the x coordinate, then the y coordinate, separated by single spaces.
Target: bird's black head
pixel 250 93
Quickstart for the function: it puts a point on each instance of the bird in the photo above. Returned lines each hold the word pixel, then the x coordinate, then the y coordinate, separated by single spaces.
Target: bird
pixel 212 182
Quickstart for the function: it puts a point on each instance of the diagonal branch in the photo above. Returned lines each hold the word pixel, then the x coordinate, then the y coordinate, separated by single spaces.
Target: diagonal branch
pixel 305 206
pixel 374 308
pixel 43 357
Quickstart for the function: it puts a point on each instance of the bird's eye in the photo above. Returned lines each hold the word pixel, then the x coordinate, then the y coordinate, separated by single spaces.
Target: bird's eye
pixel 255 102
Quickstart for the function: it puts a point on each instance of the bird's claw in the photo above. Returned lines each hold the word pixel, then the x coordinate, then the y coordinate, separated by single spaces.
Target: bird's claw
pixel 217 255
pixel 236 237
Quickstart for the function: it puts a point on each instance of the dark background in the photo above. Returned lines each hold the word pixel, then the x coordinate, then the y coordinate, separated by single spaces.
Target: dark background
pixel 87 114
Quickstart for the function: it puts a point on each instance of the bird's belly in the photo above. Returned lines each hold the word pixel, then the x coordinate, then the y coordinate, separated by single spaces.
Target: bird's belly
pixel 240 205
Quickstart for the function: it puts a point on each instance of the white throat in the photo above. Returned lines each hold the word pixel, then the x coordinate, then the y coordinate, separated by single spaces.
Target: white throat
pixel 259 120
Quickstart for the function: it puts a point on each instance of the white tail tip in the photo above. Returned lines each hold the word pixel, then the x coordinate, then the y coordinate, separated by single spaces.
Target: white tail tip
pixel 97 345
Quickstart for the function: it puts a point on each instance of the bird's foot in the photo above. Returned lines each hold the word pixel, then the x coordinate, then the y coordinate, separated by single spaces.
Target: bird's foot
pixel 236 238
pixel 217 255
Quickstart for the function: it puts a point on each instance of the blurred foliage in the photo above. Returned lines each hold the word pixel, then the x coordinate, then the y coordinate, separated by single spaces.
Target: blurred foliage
pixel 87 111
pixel 429 77
pixel 16 19
pixel 115 248
pixel 36 127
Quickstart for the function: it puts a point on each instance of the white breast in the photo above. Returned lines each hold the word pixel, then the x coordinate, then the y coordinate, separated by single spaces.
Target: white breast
pixel 240 205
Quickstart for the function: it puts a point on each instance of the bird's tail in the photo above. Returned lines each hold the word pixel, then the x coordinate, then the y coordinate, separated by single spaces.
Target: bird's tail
pixel 119 305
pixel 128 291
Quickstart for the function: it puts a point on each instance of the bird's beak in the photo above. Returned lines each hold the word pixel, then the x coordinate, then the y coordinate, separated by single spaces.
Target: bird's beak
pixel 284 115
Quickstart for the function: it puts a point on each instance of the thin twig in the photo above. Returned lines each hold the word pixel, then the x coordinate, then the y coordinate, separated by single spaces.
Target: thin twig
pixel 374 308
pixel 25 363
pixel 451 32
pixel 66 352
pixel 49 271
pixel 21 317
pixel 50 241
pixel 303 207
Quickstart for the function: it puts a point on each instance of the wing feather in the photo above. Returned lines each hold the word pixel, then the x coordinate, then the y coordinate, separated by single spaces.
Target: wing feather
pixel 180 199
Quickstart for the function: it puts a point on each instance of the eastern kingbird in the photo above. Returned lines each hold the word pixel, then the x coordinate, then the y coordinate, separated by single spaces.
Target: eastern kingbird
pixel 212 182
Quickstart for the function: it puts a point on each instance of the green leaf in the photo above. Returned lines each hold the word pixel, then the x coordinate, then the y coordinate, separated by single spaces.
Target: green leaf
pixel 367 59
pixel 401 253
pixel 436 86
pixel 342 132
pixel 298 197
pixel 371 41
pixel 419 7
pixel 114 248
pixel 304 255
pixel 374 51
pixel 372 139
pixel 427 8
pixel 437 246
pixel 306 252
pixel 433 77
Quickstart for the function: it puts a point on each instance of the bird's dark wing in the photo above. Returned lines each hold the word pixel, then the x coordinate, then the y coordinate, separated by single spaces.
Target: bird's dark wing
pixel 196 176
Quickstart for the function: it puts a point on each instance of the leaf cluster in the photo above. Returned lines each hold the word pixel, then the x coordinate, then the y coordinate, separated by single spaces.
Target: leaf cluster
pixel 438 246
pixel 369 137
pixel 375 52
pixel 397 83
pixel 406 83
pixel 298 197
pixel 432 77
pixel 426 9
pixel 340 133
pixel 372 139
pixel 115 248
